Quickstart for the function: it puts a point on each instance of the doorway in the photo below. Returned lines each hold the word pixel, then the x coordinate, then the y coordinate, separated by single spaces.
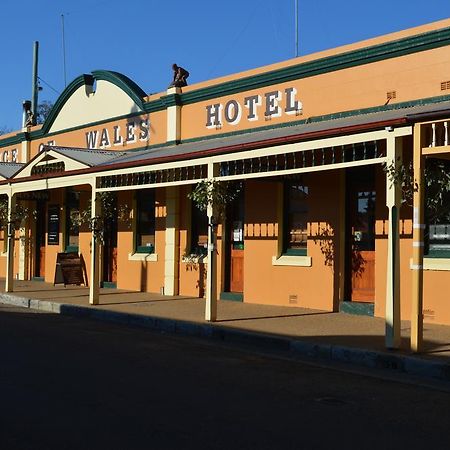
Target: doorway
pixel 234 249
pixel 109 250
pixel 39 254
pixel 360 234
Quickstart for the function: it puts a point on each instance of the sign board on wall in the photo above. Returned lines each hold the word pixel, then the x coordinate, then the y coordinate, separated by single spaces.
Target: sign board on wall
pixel 53 225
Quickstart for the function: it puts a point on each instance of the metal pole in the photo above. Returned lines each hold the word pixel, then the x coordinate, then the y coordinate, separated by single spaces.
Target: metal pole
pixel 64 50
pixel 296 28
pixel 34 87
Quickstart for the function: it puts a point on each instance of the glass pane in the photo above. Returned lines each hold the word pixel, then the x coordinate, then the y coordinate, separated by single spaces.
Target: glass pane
pixel 297 216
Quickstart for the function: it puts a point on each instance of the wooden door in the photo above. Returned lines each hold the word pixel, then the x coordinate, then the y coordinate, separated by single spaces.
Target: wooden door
pixel 361 197
pixel 237 257
pixel 235 246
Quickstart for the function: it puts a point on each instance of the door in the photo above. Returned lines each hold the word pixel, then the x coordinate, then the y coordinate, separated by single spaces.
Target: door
pixel 361 196
pixel 110 249
pixel 39 257
pixel 235 246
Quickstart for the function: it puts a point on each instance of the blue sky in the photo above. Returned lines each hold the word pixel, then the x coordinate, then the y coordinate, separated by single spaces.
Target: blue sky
pixel 142 39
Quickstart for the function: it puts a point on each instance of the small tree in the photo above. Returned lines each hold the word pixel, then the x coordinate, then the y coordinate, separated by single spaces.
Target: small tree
pixel 437 186
pixel 18 218
pixel 216 193
pixel 109 211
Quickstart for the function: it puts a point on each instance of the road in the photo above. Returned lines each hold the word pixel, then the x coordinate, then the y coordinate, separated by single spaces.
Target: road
pixel 68 383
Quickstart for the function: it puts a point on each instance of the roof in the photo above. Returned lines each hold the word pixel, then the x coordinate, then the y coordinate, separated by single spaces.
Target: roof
pixel 85 156
pixel 340 123
pixel 9 169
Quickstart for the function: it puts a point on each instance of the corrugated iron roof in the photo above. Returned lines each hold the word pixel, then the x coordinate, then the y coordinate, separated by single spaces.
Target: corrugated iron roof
pixel 9 169
pixel 88 156
pixel 312 126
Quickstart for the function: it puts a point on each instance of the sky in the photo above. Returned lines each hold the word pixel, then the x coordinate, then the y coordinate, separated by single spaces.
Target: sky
pixel 142 39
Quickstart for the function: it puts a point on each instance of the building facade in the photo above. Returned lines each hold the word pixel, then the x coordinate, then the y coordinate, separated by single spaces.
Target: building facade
pixel 315 222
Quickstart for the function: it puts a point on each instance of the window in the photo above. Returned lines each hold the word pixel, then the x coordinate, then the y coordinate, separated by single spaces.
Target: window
pixel 437 233
pixel 295 218
pixel 199 231
pixel 145 221
pixel 72 228
pixel 437 209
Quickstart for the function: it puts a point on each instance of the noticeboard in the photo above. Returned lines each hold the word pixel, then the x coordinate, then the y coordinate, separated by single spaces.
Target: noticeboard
pixel 53 225
pixel 70 269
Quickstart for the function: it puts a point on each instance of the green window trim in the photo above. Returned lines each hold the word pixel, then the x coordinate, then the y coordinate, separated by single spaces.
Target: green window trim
pixel 444 254
pixel 147 249
pixel 295 252
pixel 145 224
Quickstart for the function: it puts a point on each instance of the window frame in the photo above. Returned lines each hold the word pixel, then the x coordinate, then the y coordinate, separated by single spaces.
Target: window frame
pixel 144 249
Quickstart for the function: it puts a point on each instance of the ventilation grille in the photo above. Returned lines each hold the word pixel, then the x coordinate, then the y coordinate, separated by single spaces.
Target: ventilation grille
pixel 391 95
pixel 445 85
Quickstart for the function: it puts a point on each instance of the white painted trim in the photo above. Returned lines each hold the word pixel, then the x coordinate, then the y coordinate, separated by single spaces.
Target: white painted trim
pixel 148 257
pixel 433 264
pixel 289 260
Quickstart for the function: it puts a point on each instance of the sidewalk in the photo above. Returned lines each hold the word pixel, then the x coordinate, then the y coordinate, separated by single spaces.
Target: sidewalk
pixel 294 331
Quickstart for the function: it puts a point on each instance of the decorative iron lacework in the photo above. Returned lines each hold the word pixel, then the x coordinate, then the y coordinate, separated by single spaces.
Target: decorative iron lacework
pixel 305 159
pixel 155 176
pixel 43 169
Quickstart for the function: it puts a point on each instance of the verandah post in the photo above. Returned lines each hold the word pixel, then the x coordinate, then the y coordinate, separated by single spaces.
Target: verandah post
pixel 393 202
pixel 418 244
pixel 211 273
pixel 9 285
pixel 94 279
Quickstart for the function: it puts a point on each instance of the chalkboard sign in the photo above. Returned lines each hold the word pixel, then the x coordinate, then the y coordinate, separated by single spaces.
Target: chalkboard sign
pixel 70 269
pixel 53 225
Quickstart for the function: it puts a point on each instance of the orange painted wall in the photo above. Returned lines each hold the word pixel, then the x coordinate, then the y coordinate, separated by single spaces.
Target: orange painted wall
pixel 147 276
pixel 349 89
pixel 192 274
pixel 264 283
pixel 77 138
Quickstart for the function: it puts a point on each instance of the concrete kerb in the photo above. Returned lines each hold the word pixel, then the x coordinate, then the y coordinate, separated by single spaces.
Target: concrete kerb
pixel 286 346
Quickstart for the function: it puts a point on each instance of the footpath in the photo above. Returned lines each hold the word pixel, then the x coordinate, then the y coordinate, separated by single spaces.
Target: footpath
pixel 286 331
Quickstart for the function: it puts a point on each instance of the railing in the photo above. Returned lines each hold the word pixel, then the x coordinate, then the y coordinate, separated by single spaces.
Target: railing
pixel 436 134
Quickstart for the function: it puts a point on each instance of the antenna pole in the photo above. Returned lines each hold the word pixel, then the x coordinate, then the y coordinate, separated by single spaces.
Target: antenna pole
pixel 34 86
pixel 64 50
pixel 296 28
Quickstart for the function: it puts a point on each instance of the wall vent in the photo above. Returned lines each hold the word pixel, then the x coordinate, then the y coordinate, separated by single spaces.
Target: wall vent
pixel 293 299
pixel 391 95
pixel 445 85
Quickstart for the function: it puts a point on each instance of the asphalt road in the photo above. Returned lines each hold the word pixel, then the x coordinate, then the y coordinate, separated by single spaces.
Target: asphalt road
pixel 67 383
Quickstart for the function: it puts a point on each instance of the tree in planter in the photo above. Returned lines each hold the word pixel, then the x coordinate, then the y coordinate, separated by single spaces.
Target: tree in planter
pixel 18 218
pixel 109 211
pixel 216 193
pixel 437 187
pixel 213 196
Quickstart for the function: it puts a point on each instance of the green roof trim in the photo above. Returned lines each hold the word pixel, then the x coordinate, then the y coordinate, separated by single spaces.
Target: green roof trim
pixel 116 78
pixel 387 50
pixel 13 140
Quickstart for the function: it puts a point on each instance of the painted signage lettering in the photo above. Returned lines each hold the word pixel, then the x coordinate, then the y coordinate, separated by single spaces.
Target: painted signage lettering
pixel 273 103
pixel 10 155
pixel 106 137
